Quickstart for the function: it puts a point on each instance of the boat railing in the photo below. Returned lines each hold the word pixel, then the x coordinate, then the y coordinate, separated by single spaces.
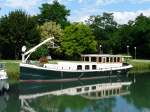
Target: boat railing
pixel 70 69
pixel 108 68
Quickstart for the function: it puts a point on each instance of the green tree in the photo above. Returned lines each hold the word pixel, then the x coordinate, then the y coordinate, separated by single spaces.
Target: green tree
pixel 103 28
pixel 141 36
pixel 17 29
pixel 78 39
pixel 40 52
pixel 122 38
pixel 54 12
pixel 135 34
pixel 49 29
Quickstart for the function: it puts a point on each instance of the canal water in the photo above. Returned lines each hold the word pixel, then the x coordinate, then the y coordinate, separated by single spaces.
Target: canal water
pixel 121 93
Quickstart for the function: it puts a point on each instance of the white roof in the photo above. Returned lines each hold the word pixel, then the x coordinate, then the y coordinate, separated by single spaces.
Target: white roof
pixel 100 55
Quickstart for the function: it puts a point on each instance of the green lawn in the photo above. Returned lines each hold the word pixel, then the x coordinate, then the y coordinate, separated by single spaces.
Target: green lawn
pixel 140 65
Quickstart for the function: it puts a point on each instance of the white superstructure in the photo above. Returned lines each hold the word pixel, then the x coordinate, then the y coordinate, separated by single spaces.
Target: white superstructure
pixel 91 62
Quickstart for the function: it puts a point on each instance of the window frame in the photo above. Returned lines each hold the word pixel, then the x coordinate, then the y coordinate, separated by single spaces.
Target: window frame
pixel 79 67
pixel 94 68
pixel 87 67
pixel 93 60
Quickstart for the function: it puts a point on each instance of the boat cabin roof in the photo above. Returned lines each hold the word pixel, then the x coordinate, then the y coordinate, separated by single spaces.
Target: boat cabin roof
pixel 100 55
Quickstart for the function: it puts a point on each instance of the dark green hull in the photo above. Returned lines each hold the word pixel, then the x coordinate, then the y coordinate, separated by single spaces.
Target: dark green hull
pixel 31 74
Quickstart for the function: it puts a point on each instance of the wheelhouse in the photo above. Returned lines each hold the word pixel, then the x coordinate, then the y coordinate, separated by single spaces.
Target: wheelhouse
pixel 102 58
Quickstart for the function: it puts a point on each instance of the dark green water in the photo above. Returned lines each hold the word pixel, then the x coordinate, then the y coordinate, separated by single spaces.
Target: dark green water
pixel 117 94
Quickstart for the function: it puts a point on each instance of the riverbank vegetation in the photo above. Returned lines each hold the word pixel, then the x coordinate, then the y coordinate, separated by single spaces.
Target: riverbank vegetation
pixel 140 65
pixel 12 69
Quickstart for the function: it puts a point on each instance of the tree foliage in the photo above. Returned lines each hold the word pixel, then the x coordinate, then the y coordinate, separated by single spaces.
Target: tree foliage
pixel 134 34
pixel 17 29
pixel 40 52
pixel 103 28
pixel 51 29
pixel 54 12
pixel 78 39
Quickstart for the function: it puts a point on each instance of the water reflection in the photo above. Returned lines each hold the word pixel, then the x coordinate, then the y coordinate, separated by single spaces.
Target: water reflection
pixel 71 96
pixel 140 92
pixel 4 97
pixel 112 94
pixel 4 85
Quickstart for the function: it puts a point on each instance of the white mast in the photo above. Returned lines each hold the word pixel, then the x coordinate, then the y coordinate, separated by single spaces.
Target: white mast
pixel 27 54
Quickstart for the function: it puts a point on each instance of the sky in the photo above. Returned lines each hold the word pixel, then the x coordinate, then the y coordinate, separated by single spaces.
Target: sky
pixel 123 10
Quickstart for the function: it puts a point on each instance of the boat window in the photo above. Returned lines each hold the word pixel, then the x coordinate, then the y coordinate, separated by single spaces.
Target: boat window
pixel 93 59
pixel 117 91
pixel 99 94
pixel 86 94
pixel 118 59
pixel 93 67
pixel 107 92
pixel 114 91
pixel 86 58
pixel 107 59
pixel 115 59
pixel 110 92
pixel 79 89
pixel 111 59
pixel 100 59
pixel 93 94
pixel 86 88
pixel 87 67
pixel 79 67
pixel 93 87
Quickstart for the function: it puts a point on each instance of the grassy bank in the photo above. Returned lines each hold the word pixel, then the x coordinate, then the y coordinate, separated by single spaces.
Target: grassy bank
pixel 140 65
pixel 12 67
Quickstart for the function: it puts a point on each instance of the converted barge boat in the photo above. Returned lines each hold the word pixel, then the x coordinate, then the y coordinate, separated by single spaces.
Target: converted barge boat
pixel 91 66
